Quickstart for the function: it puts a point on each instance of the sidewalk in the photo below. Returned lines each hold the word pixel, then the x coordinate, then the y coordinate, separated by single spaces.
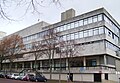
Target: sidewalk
pixel 57 81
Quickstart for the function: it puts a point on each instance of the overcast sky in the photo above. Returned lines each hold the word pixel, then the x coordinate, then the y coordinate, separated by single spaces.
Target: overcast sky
pixel 51 13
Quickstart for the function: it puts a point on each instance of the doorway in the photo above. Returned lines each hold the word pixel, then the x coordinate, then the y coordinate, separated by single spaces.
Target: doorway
pixel 97 77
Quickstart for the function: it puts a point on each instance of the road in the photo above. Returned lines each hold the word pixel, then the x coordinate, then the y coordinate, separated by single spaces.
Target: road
pixel 3 80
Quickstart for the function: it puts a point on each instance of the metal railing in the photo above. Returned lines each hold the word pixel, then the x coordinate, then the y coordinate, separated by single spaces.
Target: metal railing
pixel 65 69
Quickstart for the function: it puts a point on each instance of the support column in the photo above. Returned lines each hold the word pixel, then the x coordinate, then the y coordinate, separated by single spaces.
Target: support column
pixel 84 62
pixel 66 64
pixel 31 65
pixel 105 61
pixel 22 65
pixel 41 65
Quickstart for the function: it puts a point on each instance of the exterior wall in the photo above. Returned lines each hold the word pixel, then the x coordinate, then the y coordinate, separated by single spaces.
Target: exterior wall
pixel 113 77
pixel 117 65
pixel 90 47
pixel 83 77
pixel 32 29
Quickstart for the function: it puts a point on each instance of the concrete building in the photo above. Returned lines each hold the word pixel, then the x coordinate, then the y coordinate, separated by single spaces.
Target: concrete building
pixel 97 35
pixel 2 34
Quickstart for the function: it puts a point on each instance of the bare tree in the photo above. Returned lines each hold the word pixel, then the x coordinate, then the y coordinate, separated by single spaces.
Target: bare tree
pixel 3 47
pixel 49 40
pixel 29 5
pixel 59 51
pixel 14 47
pixel 37 51
pixel 69 51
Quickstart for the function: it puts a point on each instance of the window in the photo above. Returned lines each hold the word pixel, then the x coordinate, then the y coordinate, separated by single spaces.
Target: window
pixel 96 31
pixel 25 39
pixel 101 30
pixel 86 33
pixel 91 32
pixel 27 65
pixel 57 29
pixel 81 34
pixel 61 28
pixel 76 35
pixel 45 65
pixel 68 36
pixel 72 36
pixel 76 62
pixel 89 20
pixel 91 62
pixel 57 64
pixel 94 18
pixel 116 39
pixel 68 26
pixel 100 17
pixel 64 27
pixel 64 38
pixel 81 23
pixel 72 25
pixel 76 24
pixel 106 19
pixel 85 21
pixel 111 46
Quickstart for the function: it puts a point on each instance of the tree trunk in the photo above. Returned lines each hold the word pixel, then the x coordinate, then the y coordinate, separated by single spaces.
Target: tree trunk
pixel 50 65
pixel 35 65
pixel 0 66
pixel 68 69
pixel 60 69
pixel 1 60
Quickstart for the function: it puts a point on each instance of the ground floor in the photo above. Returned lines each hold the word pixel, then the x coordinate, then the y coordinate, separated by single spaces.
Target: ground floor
pixel 99 68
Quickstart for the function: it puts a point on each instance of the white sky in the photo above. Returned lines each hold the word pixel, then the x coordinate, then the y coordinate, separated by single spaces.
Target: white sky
pixel 51 13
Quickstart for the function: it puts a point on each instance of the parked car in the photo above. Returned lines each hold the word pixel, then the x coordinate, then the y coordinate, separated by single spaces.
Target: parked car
pixel 27 77
pixel 38 78
pixel 2 75
pixel 14 76
pixel 20 77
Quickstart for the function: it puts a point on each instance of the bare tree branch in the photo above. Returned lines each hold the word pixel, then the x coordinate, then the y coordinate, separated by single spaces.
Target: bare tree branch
pixel 29 5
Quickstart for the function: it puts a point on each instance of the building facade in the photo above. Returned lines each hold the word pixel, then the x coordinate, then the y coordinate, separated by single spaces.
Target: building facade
pixel 2 34
pixel 97 35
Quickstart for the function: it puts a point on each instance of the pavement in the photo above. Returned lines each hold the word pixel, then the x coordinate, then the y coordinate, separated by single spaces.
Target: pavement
pixel 3 80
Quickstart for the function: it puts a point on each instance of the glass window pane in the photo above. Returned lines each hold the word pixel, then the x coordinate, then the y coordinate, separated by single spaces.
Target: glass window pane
pixel 101 30
pixel 91 32
pixel 85 21
pixel 61 28
pixel 64 38
pixel 96 31
pixel 81 34
pixel 68 26
pixel 106 19
pixel 86 33
pixel 81 23
pixel 57 29
pixel 94 18
pixel 72 36
pixel 76 35
pixel 76 24
pixel 89 20
pixel 72 25
pixel 100 17
pixel 64 27
pixel 68 37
